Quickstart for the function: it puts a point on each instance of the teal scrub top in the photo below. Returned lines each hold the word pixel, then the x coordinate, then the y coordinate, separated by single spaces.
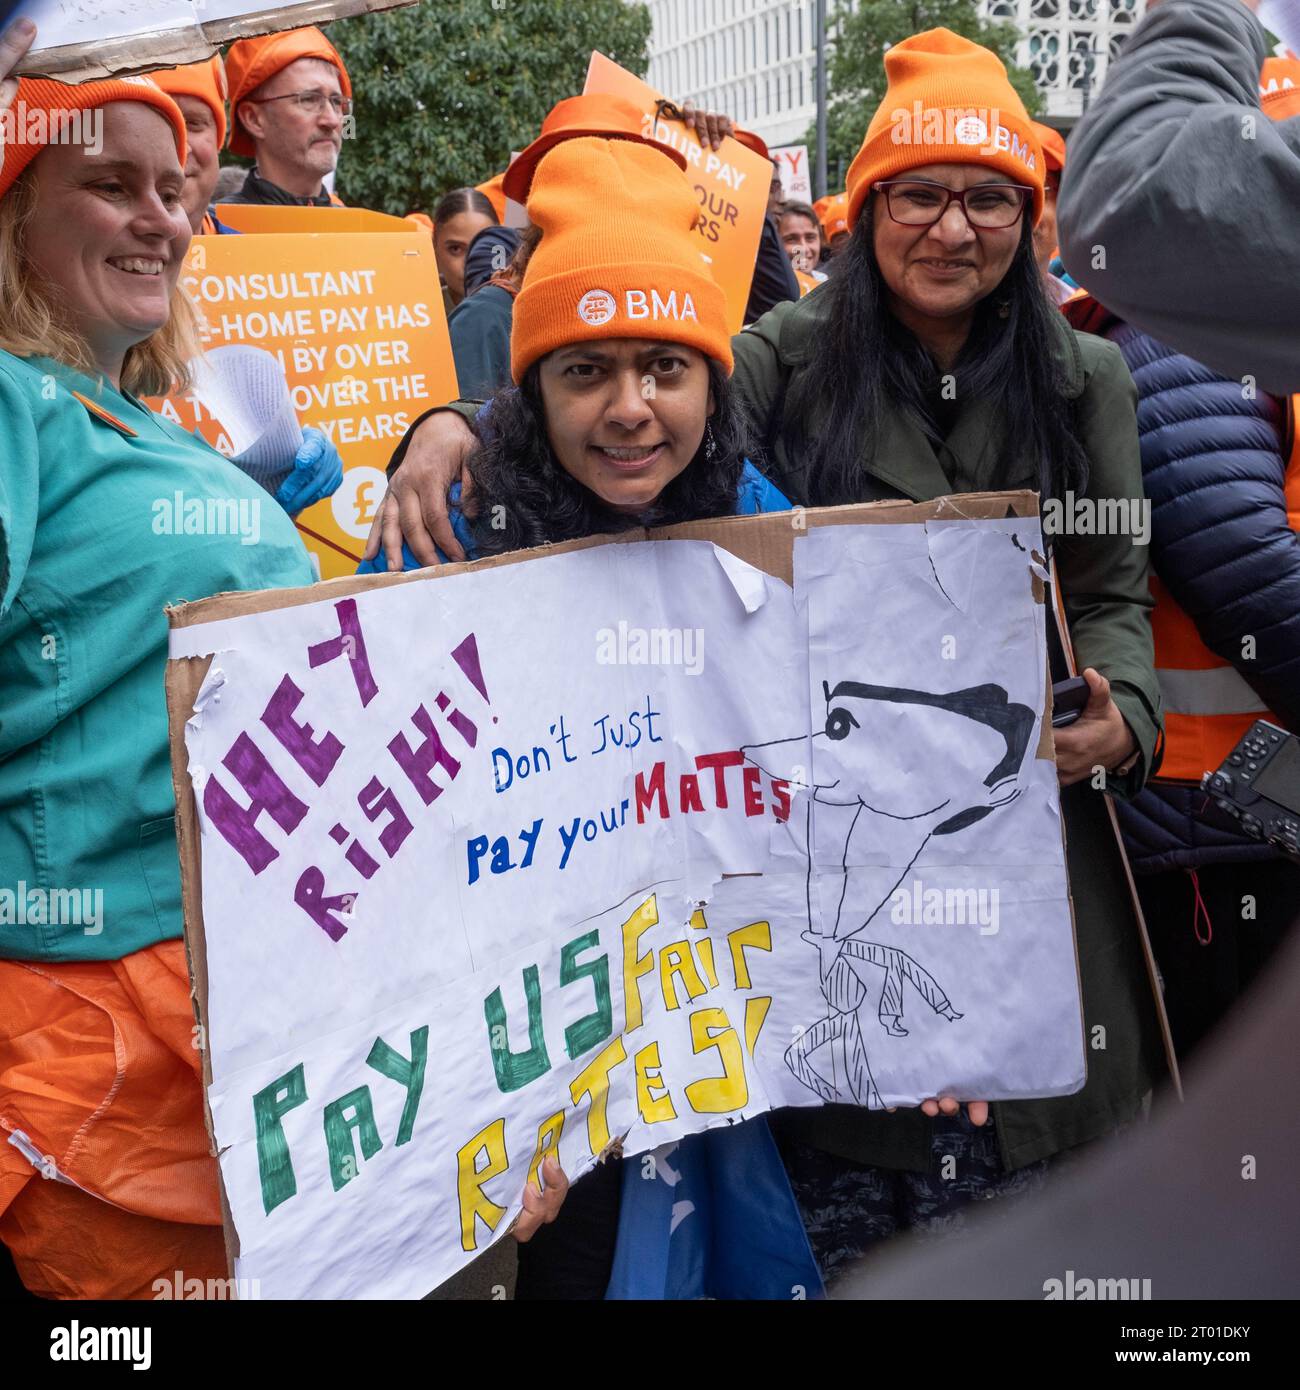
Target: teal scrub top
pixel 99 530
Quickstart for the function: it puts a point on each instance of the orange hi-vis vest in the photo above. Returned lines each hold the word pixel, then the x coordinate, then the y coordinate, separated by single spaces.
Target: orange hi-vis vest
pixel 1208 703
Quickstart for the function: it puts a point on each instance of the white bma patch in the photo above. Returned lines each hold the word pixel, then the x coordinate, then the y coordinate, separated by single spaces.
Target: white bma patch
pixel 970 130
pixel 596 307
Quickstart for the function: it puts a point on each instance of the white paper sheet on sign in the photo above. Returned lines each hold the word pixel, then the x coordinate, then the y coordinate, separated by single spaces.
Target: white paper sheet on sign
pixel 463 845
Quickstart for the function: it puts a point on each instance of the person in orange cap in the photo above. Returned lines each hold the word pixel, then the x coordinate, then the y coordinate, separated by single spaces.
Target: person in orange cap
pixel 290 105
pixel 107 1183
pixel 615 290
pixel 616 294
pixel 1046 249
pixel 1222 473
pixel 199 89
pixel 480 324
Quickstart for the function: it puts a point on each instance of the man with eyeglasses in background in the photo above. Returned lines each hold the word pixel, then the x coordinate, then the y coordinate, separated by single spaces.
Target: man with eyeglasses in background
pixel 290 102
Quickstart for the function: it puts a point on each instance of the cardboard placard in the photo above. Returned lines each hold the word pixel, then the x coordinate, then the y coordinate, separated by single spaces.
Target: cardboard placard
pixel 349 302
pixel 730 183
pixel 393 1044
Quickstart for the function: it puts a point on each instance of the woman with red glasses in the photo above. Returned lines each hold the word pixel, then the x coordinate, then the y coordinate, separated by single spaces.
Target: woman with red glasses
pixel 933 363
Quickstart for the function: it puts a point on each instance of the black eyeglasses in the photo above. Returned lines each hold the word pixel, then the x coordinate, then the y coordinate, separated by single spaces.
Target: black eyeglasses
pixel 311 102
pixel 915 203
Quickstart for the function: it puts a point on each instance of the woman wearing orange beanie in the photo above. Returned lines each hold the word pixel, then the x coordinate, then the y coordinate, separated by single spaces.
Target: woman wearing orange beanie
pixel 930 364
pixel 615 295
pixel 622 415
pixel 933 363
pixel 107 1184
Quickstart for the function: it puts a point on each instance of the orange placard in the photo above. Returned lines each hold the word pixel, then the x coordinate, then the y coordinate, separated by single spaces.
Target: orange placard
pixel 349 302
pixel 731 184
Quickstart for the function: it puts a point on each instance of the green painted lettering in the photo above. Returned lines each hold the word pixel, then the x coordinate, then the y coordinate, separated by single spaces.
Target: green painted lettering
pixel 408 1074
pixel 338 1134
pixel 274 1164
pixel 516 1069
pixel 596 1026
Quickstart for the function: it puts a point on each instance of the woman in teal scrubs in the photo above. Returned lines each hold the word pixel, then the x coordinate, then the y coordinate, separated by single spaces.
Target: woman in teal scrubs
pixel 108 513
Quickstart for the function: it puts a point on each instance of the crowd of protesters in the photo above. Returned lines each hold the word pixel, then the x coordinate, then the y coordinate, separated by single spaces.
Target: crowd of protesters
pixel 1079 375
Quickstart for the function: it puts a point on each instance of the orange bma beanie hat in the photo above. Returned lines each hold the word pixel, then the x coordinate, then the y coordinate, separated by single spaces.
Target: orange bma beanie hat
pixel 590 113
pixel 948 102
pixel 206 81
pixel 251 62
pixel 619 255
pixel 43 111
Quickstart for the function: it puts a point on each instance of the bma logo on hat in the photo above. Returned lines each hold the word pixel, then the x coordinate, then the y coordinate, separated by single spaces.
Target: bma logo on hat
pixel 597 307
pixel 970 130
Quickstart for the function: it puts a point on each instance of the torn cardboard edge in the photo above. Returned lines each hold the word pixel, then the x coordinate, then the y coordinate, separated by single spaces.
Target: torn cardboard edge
pixel 129 54
pixel 765 541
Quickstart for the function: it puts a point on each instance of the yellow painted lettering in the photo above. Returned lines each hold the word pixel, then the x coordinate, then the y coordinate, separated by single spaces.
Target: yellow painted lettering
pixel 676 962
pixel 593 1081
pixel 548 1142
pixel 471 1175
pixel 653 1108
pixel 756 1007
pixel 634 966
pixel 717 1095
pixel 757 935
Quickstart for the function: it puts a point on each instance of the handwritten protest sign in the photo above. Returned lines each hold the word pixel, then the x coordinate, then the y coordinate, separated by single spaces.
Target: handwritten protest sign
pixel 81 39
pixel 731 184
pixel 348 303
pixel 454 852
pixel 796 177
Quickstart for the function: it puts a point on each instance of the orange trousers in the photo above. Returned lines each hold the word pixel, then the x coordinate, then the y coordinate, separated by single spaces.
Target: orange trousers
pixel 100 1069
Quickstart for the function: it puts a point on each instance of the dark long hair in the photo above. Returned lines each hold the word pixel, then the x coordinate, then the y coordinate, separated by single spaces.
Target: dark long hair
pixel 870 363
pixel 525 498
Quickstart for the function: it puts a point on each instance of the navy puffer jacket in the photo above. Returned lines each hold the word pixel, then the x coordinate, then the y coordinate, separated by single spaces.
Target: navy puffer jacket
pixel 1214 467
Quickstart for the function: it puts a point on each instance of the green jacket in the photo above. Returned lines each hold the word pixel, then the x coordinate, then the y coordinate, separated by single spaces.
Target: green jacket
pixel 1107 603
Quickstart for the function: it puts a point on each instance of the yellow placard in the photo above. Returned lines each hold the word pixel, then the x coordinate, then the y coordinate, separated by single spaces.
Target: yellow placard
pixel 355 318
pixel 268 217
pixel 731 184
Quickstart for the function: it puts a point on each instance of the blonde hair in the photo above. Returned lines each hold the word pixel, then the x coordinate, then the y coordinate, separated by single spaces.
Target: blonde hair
pixel 33 321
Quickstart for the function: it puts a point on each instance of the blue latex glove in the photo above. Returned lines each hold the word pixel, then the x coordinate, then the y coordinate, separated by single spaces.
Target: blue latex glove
pixel 317 472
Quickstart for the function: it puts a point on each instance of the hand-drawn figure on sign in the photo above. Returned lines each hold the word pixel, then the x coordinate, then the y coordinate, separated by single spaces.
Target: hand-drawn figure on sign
pixel 893 768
